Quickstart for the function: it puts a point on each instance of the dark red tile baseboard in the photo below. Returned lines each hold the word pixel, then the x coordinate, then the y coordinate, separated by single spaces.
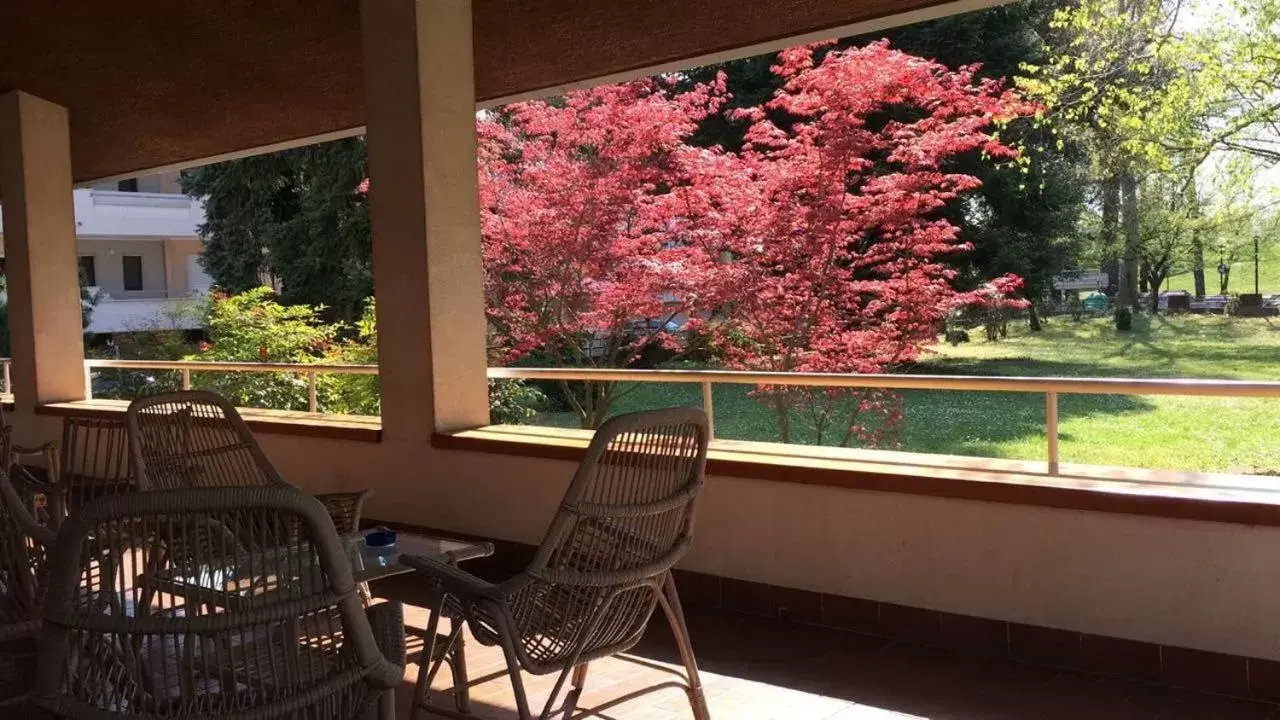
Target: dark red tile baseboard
pixel 1113 657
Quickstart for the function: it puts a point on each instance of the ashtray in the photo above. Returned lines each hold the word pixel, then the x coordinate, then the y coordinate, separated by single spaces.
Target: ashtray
pixel 380 538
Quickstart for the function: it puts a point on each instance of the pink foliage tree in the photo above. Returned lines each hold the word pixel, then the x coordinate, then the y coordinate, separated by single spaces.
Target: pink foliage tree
pixel 593 211
pixel 820 247
pixel 850 259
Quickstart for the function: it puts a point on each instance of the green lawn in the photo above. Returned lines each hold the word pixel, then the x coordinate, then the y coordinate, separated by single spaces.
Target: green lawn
pixel 1151 431
pixel 1241 275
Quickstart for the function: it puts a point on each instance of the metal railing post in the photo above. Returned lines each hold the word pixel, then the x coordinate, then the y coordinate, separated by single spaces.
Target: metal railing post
pixel 708 409
pixel 1051 428
pixel 186 378
pixel 313 404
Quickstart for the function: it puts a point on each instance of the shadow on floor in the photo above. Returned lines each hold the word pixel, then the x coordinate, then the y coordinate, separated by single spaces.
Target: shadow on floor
pixel 756 668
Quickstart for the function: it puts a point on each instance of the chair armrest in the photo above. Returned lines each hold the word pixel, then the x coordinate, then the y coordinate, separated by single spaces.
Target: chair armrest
pixel 387 621
pixel 459 583
pixel 36 450
pixel 26 480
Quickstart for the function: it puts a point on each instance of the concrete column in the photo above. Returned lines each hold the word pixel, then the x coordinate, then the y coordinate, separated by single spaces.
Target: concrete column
pixel 40 248
pixel 427 270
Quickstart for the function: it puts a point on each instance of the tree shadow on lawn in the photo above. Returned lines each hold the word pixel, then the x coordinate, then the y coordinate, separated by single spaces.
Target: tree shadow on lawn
pixel 1227 362
pixel 935 421
pixel 986 423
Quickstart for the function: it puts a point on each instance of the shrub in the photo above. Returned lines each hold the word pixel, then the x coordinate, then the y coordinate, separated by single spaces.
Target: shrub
pixel 254 327
pixel 513 401
pixel 1124 319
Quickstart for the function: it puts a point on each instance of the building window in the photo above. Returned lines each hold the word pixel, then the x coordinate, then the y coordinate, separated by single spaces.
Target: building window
pixel 88 271
pixel 132 272
pixel 130 185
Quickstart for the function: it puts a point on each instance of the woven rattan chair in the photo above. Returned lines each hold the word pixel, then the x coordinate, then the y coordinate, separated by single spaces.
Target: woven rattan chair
pixel 94 460
pixel 344 509
pixel 24 547
pixel 603 566
pixel 242 627
pixel 194 438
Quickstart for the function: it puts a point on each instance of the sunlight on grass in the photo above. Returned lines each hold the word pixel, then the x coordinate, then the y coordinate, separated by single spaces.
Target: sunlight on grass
pixel 1184 433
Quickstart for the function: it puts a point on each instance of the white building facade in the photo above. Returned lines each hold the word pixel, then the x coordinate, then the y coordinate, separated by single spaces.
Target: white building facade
pixel 140 254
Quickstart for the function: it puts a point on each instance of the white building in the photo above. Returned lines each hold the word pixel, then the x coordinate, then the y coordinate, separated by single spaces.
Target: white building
pixel 139 252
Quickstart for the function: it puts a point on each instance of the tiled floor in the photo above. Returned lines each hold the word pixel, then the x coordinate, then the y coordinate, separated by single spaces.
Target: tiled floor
pixel 756 669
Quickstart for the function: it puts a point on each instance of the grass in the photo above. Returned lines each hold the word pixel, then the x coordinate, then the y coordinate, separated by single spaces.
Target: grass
pixel 1188 433
pixel 1241 275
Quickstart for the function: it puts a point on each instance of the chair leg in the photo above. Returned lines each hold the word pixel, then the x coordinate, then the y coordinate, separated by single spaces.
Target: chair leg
pixel 461 688
pixel 387 705
pixel 517 683
pixel 670 601
pixel 575 693
pixel 422 688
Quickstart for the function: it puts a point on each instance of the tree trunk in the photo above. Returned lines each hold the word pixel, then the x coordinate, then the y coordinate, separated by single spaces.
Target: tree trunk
pixel 596 402
pixel 1109 235
pixel 1110 214
pixel 1197 242
pixel 1033 318
pixel 1224 279
pixel 1128 295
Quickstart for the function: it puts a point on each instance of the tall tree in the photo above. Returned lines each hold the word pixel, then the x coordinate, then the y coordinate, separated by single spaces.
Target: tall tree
pixel 1161 86
pixel 603 230
pixel 293 216
pixel 851 243
pixel 1023 217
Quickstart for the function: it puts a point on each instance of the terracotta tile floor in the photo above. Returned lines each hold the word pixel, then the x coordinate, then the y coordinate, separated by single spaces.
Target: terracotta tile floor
pixel 755 669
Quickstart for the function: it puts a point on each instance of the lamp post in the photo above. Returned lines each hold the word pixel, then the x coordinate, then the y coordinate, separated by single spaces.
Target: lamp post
pixel 1256 264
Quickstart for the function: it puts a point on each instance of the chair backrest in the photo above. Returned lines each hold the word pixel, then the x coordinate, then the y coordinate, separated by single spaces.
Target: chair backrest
pixel 194 438
pixel 24 548
pixel 625 520
pixel 94 460
pixel 227 627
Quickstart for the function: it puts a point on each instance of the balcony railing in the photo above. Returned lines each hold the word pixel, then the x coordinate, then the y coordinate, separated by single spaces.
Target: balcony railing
pixel 186 367
pixel 1050 388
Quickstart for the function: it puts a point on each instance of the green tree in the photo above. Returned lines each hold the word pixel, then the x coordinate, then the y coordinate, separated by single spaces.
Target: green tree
pixel 254 327
pixel 1159 86
pixel 294 216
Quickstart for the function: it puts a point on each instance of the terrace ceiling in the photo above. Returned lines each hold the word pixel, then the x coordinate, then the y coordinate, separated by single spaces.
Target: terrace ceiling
pixel 152 84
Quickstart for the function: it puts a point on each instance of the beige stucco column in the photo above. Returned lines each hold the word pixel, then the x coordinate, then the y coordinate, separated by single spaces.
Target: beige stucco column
pixel 420 112
pixel 40 248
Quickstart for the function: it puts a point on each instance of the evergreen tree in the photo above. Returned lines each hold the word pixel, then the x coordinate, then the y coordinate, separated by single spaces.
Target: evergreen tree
pixel 294 216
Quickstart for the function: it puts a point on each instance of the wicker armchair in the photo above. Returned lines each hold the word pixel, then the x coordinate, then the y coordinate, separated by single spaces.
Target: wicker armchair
pixel 194 438
pixel 603 566
pixel 24 548
pixel 241 627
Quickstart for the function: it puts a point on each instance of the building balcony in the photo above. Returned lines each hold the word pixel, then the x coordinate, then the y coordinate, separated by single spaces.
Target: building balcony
pixel 113 315
pixel 137 215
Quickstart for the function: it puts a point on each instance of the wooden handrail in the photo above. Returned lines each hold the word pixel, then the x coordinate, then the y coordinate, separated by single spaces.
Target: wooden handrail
pixel 1082 386
pixel 203 366
pixel 1050 387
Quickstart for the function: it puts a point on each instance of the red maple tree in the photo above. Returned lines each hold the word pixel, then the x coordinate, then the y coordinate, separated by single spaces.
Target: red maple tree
pixel 593 209
pixel 850 261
